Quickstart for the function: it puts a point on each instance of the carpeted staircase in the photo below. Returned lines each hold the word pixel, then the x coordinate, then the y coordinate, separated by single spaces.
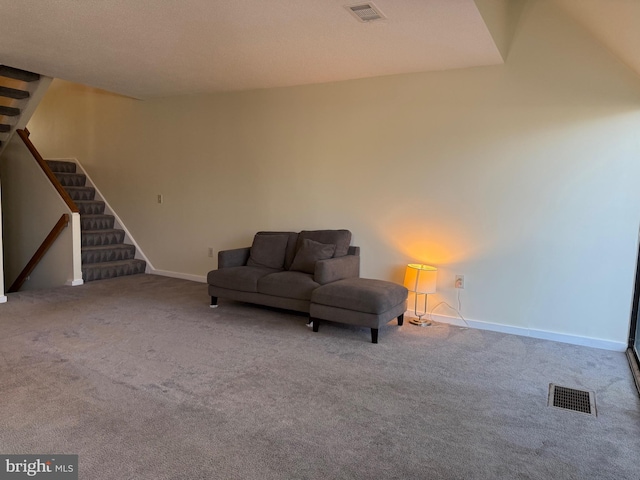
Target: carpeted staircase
pixel 104 253
pixel 14 93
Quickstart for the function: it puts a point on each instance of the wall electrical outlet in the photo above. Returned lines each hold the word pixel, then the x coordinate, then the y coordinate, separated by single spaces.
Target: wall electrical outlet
pixel 211 251
pixel 459 283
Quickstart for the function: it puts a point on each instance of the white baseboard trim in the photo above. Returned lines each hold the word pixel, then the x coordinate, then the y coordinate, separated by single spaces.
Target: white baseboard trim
pixel 3 298
pixel 531 332
pixel 75 283
pixel 576 340
pixel 183 276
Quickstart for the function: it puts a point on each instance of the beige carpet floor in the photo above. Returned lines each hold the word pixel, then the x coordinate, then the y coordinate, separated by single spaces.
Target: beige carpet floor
pixel 141 379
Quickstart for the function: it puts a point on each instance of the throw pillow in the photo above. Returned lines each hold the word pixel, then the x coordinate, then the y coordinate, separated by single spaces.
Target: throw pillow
pixel 340 238
pixel 268 251
pixel 309 253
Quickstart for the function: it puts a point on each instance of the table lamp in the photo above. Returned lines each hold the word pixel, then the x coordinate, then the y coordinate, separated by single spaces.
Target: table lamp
pixel 421 280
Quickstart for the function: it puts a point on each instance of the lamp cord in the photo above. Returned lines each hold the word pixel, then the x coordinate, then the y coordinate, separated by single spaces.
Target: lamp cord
pixel 457 310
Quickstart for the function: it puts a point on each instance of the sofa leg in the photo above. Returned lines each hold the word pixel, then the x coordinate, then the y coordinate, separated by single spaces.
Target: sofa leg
pixel 316 324
pixel 214 302
pixel 374 335
pixel 401 319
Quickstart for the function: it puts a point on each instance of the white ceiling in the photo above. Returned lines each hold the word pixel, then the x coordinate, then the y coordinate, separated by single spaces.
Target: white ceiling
pixel 146 48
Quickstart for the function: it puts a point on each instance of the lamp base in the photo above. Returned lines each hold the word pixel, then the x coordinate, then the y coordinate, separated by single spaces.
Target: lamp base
pixel 420 322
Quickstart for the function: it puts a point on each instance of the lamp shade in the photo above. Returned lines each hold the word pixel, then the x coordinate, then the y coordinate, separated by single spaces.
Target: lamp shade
pixel 420 278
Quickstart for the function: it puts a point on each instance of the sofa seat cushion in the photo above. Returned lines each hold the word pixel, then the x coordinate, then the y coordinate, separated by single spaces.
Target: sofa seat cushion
pixel 290 284
pixel 244 279
pixel 361 294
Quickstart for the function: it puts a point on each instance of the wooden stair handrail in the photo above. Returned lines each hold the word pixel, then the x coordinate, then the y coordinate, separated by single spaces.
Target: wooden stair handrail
pixel 46 244
pixel 24 135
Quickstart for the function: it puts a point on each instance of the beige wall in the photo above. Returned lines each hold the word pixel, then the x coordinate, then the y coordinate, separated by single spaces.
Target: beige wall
pixel 31 208
pixel 522 177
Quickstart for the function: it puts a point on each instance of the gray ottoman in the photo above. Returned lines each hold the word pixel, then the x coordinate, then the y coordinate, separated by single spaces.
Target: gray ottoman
pixel 359 301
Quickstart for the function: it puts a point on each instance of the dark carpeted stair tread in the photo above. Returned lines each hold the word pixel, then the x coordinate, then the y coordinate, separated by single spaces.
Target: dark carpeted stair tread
pixel 94 238
pixel 96 222
pixel 71 179
pixel 101 271
pixel 9 111
pixel 13 93
pixel 61 166
pixel 90 207
pixel 81 193
pixel 17 74
pixel 4 128
pixel 108 253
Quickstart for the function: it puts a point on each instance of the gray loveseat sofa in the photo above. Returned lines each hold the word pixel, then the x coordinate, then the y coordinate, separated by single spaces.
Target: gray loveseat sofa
pixel 282 269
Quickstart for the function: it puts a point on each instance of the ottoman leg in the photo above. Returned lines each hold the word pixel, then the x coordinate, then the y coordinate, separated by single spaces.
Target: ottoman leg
pixel 214 302
pixel 316 324
pixel 401 319
pixel 374 335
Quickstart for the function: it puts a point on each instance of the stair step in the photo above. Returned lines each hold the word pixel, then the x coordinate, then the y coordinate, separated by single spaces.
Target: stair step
pixel 96 222
pixel 102 271
pixel 108 253
pixel 61 166
pixel 90 207
pixel 81 193
pixel 13 93
pixel 96 238
pixel 9 111
pixel 4 127
pixel 71 179
pixel 17 74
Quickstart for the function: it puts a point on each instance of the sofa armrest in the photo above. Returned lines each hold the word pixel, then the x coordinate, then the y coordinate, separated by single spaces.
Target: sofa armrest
pixel 233 258
pixel 334 269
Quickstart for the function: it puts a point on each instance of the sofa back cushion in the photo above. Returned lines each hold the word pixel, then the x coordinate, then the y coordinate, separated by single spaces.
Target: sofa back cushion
pixel 290 250
pixel 268 251
pixel 340 238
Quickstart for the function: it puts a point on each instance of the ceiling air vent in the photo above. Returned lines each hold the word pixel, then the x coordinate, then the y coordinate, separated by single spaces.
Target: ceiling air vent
pixel 365 12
